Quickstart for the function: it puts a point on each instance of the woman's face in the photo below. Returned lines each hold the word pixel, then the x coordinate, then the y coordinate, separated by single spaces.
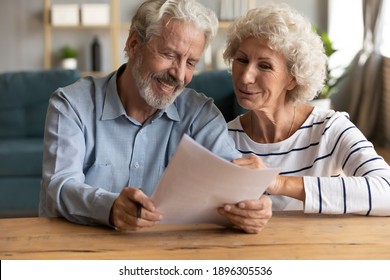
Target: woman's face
pixel 260 75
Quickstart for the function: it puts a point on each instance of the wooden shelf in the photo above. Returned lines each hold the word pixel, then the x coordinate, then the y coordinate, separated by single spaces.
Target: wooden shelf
pixel 116 29
pixel 94 73
pixel 112 28
pixel 80 27
pixel 224 24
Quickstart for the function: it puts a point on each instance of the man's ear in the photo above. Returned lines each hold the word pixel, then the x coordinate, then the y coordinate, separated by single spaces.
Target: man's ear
pixel 132 44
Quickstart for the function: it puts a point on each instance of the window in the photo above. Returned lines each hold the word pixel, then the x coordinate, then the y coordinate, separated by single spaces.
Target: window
pixel 346 30
pixel 385 42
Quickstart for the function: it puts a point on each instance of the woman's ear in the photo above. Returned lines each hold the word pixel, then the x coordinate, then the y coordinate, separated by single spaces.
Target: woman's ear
pixel 292 84
pixel 132 44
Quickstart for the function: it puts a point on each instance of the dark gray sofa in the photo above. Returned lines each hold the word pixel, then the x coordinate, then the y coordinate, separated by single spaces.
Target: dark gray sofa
pixel 24 98
pixel 218 85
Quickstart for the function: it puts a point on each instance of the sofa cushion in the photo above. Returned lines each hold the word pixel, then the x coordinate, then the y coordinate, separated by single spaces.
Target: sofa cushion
pixel 24 98
pixel 19 194
pixel 21 157
pixel 218 85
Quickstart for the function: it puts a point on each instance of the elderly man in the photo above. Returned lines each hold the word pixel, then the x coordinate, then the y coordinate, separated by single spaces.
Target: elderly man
pixel 108 140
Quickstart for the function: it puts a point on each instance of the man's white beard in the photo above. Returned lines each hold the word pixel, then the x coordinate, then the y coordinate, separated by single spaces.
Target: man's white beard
pixel 144 85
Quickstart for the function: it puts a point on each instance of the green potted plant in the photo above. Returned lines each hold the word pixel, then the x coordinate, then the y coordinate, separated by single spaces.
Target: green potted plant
pixel 68 56
pixel 332 79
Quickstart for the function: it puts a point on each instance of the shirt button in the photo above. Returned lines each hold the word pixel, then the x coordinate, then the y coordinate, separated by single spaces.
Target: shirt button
pixel 136 165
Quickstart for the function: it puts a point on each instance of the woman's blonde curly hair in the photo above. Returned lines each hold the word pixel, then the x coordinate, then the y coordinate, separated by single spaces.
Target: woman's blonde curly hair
pixel 292 35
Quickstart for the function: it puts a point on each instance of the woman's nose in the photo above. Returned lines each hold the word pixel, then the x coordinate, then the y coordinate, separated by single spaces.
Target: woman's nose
pixel 248 75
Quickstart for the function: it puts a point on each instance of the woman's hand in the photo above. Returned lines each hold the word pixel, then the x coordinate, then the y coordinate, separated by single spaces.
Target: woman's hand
pixel 252 161
pixel 291 186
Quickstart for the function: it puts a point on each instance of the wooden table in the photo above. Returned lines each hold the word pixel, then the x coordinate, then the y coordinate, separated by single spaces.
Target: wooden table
pixel 287 236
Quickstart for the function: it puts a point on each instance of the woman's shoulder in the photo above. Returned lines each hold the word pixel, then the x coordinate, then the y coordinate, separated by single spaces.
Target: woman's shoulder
pixel 235 124
pixel 323 123
pixel 328 115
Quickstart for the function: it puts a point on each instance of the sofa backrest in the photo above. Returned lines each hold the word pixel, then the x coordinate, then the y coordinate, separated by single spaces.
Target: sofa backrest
pixel 24 99
pixel 218 85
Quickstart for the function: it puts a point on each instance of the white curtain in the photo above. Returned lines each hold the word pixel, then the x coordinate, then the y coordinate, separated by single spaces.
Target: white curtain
pixel 363 86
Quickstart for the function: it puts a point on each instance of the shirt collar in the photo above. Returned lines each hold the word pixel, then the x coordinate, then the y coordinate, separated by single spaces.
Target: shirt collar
pixel 112 105
pixel 171 112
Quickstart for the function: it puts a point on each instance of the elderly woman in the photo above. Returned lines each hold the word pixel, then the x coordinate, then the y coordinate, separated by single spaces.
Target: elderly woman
pixel 327 165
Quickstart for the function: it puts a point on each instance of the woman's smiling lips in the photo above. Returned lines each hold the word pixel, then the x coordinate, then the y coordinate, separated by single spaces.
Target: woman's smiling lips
pixel 247 93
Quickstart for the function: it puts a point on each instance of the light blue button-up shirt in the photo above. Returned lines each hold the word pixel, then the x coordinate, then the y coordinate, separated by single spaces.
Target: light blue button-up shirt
pixel 92 149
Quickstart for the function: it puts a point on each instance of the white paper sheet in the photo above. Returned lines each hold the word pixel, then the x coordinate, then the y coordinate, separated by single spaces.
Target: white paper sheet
pixel 197 182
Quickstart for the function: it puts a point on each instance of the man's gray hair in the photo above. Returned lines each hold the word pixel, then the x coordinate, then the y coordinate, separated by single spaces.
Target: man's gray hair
pixel 153 14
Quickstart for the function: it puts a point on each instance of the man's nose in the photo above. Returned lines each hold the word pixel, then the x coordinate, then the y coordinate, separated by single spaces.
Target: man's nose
pixel 178 70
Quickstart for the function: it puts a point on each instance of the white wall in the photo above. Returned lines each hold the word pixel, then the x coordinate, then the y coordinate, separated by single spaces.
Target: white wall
pixel 21 31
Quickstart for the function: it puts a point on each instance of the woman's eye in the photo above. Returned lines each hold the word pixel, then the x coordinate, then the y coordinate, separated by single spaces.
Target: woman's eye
pixel 241 60
pixel 265 66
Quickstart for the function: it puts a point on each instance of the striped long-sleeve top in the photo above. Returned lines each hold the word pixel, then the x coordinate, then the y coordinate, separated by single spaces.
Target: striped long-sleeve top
pixel 342 173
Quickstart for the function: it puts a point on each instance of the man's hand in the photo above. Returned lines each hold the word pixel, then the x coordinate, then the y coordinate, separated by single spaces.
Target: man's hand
pixel 124 211
pixel 250 215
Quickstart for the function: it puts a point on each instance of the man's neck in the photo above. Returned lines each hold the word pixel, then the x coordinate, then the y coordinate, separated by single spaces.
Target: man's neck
pixel 134 104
